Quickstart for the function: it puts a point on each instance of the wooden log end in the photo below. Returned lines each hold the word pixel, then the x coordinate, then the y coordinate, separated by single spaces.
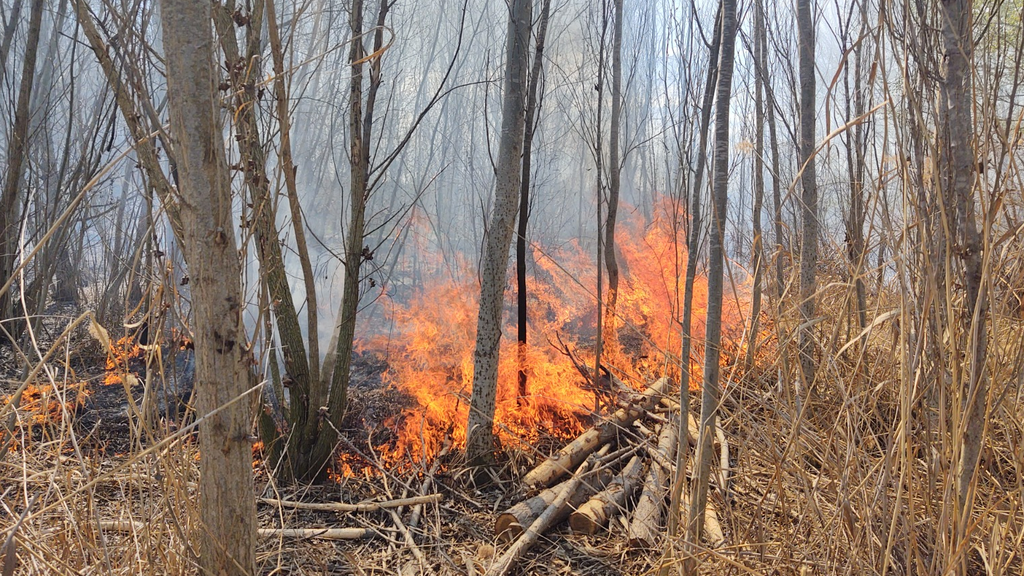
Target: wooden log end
pixel 582 523
pixel 507 527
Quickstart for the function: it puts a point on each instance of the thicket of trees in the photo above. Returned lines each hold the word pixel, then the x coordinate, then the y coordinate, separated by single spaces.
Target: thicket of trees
pixel 249 172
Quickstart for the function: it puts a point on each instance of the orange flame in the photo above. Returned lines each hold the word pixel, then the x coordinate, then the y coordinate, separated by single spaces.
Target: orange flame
pixel 430 349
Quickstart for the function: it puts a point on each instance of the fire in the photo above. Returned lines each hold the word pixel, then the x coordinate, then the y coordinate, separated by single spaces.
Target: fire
pixel 430 348
pixel 44 404
pixel 118 355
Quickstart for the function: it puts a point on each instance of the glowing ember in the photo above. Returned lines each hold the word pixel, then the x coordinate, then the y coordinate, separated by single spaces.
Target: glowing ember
pixel 430 349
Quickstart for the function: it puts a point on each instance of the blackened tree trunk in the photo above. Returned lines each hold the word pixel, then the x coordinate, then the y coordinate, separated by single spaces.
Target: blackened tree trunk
pixel 226 496
pixel 532 107
pixel 809 197
pixel 480 425
pixel 716 265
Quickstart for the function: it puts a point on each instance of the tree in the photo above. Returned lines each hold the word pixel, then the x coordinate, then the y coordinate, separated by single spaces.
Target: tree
pixel 226 497
pixel 757 250
pixel 614 179
pixel 480 425
pixel 716 266
pixel 17 150
pixel 809 196
pixel 533 103
pixel 958 167
pixel 692 243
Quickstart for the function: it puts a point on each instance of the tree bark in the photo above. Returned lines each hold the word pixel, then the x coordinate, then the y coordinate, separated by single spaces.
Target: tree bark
pixel 716 264
pixel 692 243
pixel 480 425
pixel 227 505
pixel 809 196
pixel 958 167
pixel 614 182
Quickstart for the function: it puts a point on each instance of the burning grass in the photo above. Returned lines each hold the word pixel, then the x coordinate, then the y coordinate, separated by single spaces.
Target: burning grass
pixel 429 348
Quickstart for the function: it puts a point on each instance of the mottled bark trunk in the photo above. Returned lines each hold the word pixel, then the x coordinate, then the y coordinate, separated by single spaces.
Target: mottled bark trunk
pixel 716 265
pixel 480 425
pixel 226 503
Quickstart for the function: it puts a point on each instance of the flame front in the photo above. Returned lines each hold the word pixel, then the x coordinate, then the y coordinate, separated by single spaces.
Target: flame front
pixel 430 348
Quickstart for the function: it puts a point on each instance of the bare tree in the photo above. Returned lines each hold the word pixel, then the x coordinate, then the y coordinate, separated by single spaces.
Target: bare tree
pixel 10 220
pixel 222 362
pixel 716 265
pixel 533 104
pixel 614 180
pixel 480 426
pixel 809 197
pixel 958 166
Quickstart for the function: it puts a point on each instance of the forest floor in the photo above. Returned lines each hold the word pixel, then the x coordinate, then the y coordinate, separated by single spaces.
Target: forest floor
pixel 85 490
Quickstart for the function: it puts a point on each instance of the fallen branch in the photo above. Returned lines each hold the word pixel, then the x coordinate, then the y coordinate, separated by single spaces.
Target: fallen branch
pixel 323 533
pixel 360 507
pixel 575 452
pixel 428 483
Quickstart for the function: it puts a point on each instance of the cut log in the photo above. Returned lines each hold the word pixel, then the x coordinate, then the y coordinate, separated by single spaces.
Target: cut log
pixel 570 457
pixel 512 522
pixel 511 556
pixel 644 528
pixel 596 512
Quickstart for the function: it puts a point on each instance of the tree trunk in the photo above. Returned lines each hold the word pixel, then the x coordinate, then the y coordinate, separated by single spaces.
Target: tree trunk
pixel 243 73
pixel 716 261
pixel 360 129
pixel 614 183
pixel 958 166
pixel 480 425
pixel 809 198
pixel 757 250
pixel 222 373
pixel 692 242
pixel 532 105
pixel 17 149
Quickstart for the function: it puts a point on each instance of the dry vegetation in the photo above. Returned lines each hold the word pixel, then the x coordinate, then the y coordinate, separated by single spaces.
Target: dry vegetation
pixel 858 471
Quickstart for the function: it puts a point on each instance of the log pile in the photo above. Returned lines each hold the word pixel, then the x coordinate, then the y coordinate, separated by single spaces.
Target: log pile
pixel 616 473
